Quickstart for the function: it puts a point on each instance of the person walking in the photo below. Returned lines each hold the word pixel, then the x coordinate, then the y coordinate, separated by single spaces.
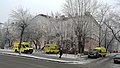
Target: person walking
pixel 60 52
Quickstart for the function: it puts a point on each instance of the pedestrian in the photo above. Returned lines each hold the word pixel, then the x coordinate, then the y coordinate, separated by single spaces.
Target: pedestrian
pixel 60 52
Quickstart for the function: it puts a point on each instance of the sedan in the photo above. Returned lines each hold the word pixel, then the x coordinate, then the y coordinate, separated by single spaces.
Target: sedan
pixel 117 58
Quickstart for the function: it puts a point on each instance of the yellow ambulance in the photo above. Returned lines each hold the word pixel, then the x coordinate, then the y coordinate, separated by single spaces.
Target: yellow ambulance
pixel 25 47
pixel 50 48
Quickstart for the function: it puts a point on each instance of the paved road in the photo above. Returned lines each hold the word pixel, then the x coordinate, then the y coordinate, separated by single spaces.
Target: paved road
pixel 8 61
pixel 105 63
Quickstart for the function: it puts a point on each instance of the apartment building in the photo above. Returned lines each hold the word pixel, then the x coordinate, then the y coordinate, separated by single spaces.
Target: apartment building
pixel 66 26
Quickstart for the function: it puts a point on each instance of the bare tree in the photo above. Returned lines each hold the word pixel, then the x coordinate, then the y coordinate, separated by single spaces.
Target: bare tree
pixel 21 19
pixel 79 11
pixel 101 15
pixel 40 27
pixel 7 34
pixel 79 7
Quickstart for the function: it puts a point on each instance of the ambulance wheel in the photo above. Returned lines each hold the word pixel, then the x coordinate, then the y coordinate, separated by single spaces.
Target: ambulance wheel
pixel 16 50
pixel 48 52
pixel 104 55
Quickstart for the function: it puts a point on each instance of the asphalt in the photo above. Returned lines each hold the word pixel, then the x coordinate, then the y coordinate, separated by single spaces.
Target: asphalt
pixel 66 58
pixel 48 58
pixel 9 61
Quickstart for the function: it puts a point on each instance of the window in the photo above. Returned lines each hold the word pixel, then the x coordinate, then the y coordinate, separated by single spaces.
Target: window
pixel 100 51
pixel 26 45
pixel 23 46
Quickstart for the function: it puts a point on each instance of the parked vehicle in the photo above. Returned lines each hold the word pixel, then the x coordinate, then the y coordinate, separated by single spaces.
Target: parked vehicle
pixel 115 51
pixel 97 52
pixel 50 48
pixel 117 58
pixel 93 53
pixel 25 47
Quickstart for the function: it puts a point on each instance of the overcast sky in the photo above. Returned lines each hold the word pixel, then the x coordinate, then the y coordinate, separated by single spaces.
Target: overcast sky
pixel 34 6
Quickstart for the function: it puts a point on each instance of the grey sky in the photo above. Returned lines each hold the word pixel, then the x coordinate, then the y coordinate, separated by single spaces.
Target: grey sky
pixel 34 6
pixel 108 1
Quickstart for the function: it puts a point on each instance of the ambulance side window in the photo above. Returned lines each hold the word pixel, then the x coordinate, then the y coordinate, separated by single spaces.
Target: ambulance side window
pixel 23 46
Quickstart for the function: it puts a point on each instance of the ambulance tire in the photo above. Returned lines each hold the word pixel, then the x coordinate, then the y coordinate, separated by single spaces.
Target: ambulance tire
pixel 16 50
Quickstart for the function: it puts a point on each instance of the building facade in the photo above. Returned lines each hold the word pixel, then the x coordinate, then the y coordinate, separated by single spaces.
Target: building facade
pixel 65 27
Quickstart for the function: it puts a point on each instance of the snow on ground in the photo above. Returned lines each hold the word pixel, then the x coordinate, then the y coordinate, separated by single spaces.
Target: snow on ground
pixel 70 56
pixel 49 59
pixel 6 50
pixel 81 59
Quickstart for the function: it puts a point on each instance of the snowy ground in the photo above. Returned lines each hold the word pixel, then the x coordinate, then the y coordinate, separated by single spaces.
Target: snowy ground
pixel 81 59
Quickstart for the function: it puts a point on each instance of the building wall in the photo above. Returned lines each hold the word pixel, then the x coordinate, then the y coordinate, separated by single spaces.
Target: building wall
pixel 66 25
pixel 92 39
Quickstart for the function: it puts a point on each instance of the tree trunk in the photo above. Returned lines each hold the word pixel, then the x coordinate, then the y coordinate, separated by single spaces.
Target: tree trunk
pixel 35 44
pixel 21 36
pixel 79 44
pixel 108 45
pixel 9 42
pixel 83 45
